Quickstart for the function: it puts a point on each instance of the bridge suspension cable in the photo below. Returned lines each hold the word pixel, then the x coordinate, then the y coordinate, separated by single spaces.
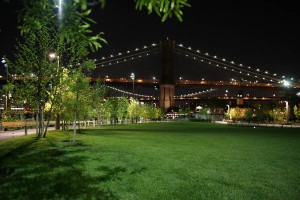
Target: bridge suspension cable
pixel 223 64
pixel 129 93
pixel 195 93
pixel 128 56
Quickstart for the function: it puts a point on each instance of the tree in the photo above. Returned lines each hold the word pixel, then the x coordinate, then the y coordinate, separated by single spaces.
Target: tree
pixel 297 111
pixel 98 93
pixel 248 115
pixel 122 112
pixel 41 34
pixel 163 8
pixel 34 69
pixel 134 110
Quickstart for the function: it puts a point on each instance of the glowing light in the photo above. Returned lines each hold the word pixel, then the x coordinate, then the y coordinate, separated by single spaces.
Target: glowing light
pixel 60 10
pixel 286 83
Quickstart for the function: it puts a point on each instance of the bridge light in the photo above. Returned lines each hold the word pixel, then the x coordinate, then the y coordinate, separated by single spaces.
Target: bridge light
pixel 145 47
pixel 190 48
pixel 249 67
pixel 224 59
pixel 137 49
pixel 198 51
pixel 180 45
pixel 119 53
pixel 274 74
pixel 215 56
pixel 257 70
pixel 207 54
pixel 232 62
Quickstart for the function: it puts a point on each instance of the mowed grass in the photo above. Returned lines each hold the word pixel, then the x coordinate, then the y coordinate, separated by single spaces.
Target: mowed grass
pixel 155 161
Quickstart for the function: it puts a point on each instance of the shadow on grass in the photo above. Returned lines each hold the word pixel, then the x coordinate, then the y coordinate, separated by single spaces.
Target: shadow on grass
pixel 51 172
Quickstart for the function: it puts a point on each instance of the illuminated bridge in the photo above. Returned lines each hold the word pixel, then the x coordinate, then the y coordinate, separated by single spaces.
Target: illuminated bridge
pixel 215 77
pixel 168 72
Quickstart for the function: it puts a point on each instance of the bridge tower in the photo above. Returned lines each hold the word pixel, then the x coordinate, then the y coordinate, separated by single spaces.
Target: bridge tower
pixel 167 84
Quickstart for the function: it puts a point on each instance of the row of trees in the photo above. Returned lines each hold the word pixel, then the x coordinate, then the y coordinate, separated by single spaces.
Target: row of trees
pixel 264 114
pixel 59 86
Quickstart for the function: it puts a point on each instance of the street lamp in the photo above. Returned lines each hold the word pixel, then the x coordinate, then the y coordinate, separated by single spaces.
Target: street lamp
pixel 60 10
pixel 54 56
pixel 6 66
pixel 132 76
pixel 286 83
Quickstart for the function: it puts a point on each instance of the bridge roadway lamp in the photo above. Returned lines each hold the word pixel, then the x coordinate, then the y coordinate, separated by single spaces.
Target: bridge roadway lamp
pixel 132 76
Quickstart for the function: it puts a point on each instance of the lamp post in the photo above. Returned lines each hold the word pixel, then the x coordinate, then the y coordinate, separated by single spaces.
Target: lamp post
pixel 132 76
pixel 60 11
pixel 286 84
pixel 7 95
pixel 228 111
pixel 287 110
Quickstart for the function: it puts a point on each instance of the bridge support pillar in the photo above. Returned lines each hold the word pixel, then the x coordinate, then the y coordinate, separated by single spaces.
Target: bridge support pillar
pixel 166 96
pixel 167 86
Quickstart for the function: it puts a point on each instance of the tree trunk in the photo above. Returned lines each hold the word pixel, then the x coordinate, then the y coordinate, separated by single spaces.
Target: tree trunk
pixel 74 139
pixel 57 122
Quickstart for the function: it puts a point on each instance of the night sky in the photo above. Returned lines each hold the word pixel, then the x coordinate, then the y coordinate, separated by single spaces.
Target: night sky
pixel 262 34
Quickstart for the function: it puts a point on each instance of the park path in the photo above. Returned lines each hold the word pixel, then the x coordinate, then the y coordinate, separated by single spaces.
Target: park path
pixel 5 135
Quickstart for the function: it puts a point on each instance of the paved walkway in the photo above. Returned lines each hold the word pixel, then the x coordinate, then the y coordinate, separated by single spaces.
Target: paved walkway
pixel 260 124
pixel 5 135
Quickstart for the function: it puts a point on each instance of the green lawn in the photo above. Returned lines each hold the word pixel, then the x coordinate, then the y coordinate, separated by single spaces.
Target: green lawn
pixel 154 161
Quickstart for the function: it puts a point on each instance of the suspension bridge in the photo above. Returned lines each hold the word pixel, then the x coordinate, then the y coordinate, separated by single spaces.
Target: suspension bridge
pixel 249 84
pixel 158 70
